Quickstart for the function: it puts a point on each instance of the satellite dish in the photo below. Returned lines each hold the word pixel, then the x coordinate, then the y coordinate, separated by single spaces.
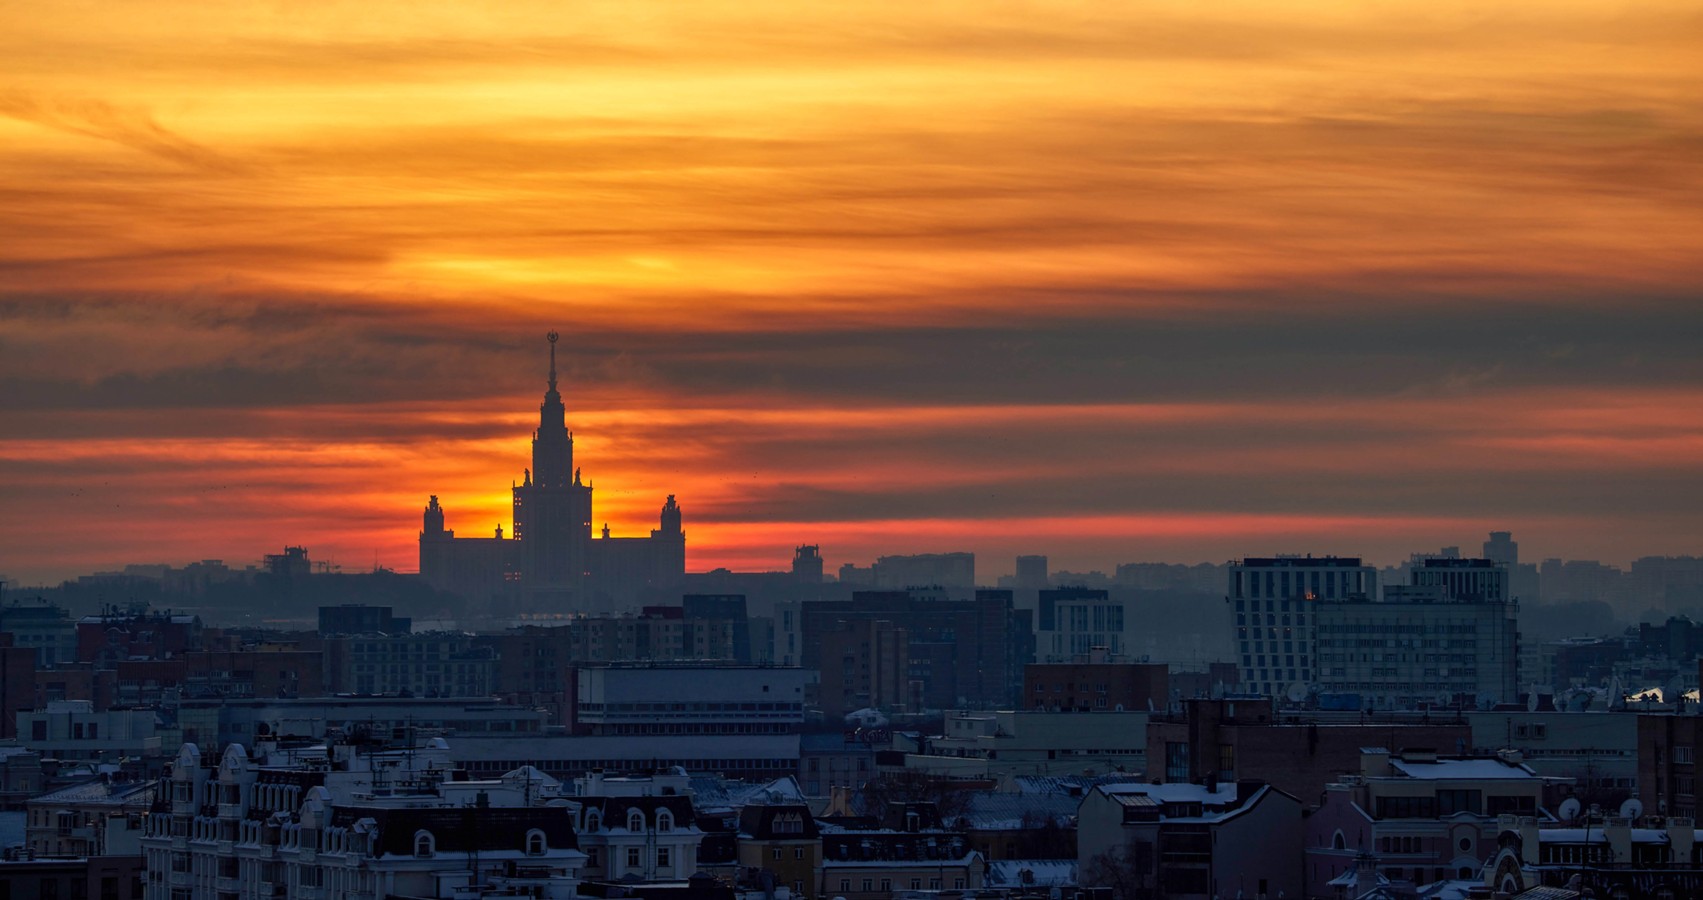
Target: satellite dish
pixel 1296 692
pixel 1486 700
pixel 1569 809
pixel 1531 701
pixel 1443 698
pixel 1631 809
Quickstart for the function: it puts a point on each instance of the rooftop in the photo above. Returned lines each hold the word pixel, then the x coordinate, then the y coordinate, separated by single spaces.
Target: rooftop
pixel 1450 769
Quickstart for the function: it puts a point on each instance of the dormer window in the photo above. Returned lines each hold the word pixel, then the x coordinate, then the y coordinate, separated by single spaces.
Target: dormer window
pixel 535 843
pixel 664 820
pixel 592 820
pixel 424 845
pixel 635 821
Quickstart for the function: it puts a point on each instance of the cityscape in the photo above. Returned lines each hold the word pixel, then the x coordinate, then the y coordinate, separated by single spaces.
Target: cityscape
pixel 1003 451
pixel 561 712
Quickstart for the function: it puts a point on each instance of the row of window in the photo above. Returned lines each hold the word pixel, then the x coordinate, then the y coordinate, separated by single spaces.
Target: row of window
pixel 868 885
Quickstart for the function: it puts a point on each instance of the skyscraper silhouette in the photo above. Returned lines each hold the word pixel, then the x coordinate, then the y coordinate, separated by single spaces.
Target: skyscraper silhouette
pixel 550 559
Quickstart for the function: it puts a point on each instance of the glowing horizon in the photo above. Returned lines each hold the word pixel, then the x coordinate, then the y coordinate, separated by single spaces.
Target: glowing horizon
pixel 1103 282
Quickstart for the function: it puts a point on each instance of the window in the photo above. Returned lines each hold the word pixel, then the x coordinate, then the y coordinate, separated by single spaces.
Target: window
pixel 886 885
pixel 635 821
pixel 1177 762
pixel 424 846
pixel 798 853
pixel 535 844
pixel 662 857
pixel 664 820
pixel 632 857
pixel 777 853
pixel 868 885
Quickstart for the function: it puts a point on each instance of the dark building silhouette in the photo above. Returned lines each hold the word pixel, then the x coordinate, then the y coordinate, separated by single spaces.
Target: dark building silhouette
pixel 359 618
pixel 807 563
pixel 1031 572
pixel 962 653
pixel 551 555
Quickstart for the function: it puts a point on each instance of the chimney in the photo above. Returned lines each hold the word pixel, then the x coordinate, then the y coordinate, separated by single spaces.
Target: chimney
pixel 1618 830
pixel 1374 762
pixel 1530 851
pixel 1365 873
pixel 1682 834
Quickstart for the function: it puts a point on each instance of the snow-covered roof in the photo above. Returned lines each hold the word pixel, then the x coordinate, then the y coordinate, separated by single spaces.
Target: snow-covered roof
pixel 1596 836
pixel 1009 811
pixel 1450 769
pixel 1451 889
pixel 1175 793
pixel 1008 873
pixel 1350 878
pixel 711 793
pixel 1070 784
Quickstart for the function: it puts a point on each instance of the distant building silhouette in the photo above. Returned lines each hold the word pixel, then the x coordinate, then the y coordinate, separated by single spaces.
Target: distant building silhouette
pixel 1031 572
pixel 807 563
pixel 551 554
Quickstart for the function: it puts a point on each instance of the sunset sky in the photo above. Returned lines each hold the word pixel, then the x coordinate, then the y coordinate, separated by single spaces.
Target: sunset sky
pixel 1105 281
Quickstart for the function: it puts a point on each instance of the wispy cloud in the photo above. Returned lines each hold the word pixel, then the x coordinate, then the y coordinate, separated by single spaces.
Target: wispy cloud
pixel 1346 274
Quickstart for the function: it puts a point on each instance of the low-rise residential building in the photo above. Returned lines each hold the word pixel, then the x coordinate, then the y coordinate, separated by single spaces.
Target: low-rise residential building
pixel 784 840
pixel 74 730
pixel 1421 816
pixel 1611 856
pixel 1239 739
pixel 356 822
pixel 1190 841
pixel 836 760
pixel 99 817
pixel 866 863
pixel 641 828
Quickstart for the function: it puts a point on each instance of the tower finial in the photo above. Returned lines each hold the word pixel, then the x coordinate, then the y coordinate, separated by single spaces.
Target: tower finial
pixel 552 336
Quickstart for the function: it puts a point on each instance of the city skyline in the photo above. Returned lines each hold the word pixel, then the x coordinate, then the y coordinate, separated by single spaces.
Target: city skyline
pixel 1104 284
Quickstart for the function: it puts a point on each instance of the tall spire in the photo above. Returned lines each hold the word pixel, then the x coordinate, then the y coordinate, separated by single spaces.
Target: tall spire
pixel 552 444
pixel 552 336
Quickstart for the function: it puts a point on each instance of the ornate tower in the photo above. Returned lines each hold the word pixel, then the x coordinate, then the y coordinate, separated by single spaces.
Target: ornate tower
pixel 552 509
